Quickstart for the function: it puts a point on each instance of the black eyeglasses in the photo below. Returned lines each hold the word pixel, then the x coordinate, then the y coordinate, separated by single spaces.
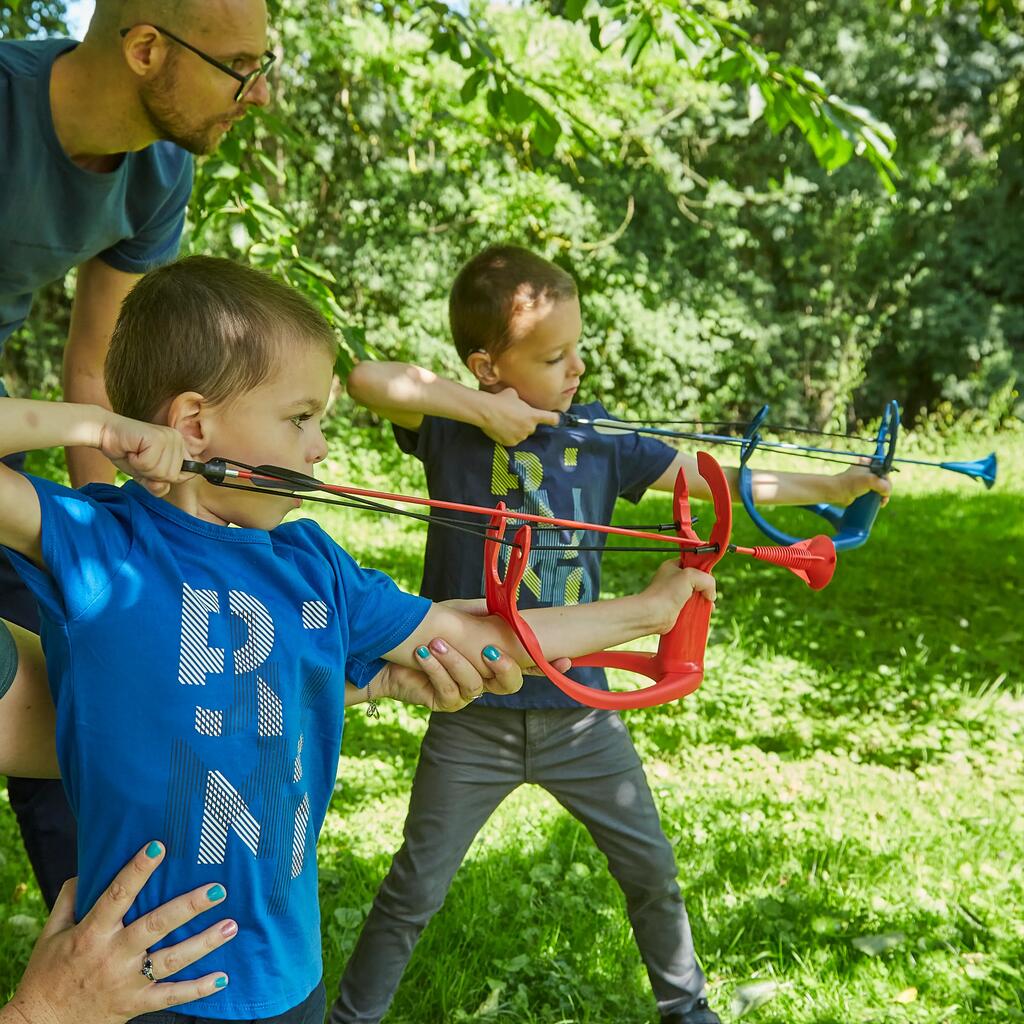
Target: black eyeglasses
pixel 245 82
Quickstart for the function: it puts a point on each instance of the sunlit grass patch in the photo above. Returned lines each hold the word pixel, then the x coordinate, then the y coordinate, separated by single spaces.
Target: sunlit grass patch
pixel 843 794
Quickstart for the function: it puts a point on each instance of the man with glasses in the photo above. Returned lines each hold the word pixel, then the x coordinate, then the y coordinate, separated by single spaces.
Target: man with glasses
pixel 97 140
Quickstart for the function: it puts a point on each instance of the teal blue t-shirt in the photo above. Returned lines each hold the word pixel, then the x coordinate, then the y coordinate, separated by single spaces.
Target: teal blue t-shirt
pixel 198 672
pixel 55 215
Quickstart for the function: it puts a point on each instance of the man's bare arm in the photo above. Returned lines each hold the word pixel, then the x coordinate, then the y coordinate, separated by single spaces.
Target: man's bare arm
pixel 98 296
pixel 27 720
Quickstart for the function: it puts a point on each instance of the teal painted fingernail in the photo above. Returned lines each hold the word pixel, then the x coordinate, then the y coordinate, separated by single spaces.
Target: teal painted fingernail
pixel 422 652
pixel 491 653
pixel 214 893
pixel 220 982
pixel 154 850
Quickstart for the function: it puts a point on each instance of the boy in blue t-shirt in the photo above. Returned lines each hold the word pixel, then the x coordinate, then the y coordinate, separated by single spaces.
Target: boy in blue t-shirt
pixel 515 320
pixel 201 654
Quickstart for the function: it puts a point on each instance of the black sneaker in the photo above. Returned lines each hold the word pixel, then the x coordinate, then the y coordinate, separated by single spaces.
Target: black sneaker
pixel 699 1013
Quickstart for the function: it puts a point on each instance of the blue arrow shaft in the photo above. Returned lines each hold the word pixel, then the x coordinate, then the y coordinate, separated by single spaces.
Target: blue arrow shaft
pixel 739 442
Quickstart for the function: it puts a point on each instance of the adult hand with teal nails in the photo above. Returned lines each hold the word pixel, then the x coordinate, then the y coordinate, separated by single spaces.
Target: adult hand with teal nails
pixel 446 679
pixel 92 972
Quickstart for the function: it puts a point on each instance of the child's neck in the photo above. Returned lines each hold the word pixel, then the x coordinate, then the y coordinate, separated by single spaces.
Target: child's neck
pixel 187 496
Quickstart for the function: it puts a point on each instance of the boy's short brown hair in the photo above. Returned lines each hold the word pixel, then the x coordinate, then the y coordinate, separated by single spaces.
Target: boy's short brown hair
pixel 207 325
pixel 494 290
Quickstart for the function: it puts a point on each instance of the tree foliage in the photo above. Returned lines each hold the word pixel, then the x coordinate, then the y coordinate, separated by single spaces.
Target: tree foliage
pixel 740 230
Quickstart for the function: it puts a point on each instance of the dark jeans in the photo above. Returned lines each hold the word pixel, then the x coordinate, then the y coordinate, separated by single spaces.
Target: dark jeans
pixel 310 1011
pixel 40 805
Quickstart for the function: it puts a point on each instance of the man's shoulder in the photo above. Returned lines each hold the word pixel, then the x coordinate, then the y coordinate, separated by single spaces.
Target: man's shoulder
pixel 26 58
pixel 162 165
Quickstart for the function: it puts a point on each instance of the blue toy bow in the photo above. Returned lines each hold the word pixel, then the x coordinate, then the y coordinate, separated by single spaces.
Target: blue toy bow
pixel 853 523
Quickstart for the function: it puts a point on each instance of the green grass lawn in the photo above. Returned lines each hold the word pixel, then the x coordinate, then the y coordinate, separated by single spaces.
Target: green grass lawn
pixel 844 794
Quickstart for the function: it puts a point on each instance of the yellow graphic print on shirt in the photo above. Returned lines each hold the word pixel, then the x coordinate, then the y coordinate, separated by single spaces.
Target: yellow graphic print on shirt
pixel 553 577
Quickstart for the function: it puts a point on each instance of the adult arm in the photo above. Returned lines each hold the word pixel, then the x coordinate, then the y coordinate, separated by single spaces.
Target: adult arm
pixel 446 680
pixel 27 720
pixel 98 296
pixel 91 972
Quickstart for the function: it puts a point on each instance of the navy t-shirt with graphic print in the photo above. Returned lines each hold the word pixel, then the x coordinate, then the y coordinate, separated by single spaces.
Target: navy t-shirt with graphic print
pixel 566 472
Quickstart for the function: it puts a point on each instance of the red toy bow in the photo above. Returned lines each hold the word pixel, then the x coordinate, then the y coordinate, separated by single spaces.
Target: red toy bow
pixel 678 666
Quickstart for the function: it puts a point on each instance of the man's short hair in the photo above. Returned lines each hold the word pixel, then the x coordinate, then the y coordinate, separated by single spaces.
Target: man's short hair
pixel 206 325
pixel 495 290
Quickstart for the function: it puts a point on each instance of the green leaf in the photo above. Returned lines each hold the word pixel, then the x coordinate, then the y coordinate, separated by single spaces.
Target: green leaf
pixel 276 172
pixel 734 67
pixel 637 39
pixel 518 105
pixel 442 40
pixel 546 131
pixel 226 172
pixel 472 84
pixel 573 10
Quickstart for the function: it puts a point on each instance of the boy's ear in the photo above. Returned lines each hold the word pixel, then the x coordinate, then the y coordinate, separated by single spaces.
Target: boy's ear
pixel 482 368
pixel 188 413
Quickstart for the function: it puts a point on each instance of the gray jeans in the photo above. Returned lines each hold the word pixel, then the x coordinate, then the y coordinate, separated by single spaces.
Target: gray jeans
pixel 469 762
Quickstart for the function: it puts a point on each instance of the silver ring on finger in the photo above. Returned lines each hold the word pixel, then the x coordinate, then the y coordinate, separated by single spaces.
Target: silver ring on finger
pixel 147 969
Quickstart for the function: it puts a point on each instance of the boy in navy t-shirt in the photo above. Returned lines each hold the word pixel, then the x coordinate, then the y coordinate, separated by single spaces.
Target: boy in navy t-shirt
pixel 201 654
pixel 515 320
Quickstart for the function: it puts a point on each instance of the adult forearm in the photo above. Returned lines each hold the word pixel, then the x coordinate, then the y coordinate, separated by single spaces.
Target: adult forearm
pixel 20 1011
pixel 83 387
pixel 27 717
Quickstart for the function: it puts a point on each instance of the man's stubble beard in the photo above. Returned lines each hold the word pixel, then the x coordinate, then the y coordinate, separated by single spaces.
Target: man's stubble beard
pixel 169 123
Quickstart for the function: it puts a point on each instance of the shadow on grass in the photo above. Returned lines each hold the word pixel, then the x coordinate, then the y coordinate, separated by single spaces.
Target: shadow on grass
pixel 919 623
pixel 930 562
pixel 534 928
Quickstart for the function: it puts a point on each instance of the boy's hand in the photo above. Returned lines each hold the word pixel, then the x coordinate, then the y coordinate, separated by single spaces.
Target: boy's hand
pixel 150 453
pixel 858 480
pixel 509 420
pixel 671 588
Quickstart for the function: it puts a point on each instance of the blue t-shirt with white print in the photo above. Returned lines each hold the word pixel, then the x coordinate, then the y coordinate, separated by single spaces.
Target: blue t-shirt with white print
pixel 565 472
pixel 198 674
pixel 55 215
